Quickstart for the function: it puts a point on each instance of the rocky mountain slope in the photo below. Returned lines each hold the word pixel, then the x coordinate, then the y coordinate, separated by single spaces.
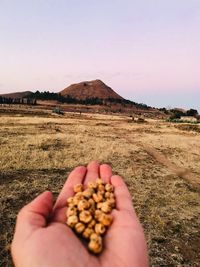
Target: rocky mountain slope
pixel 90 89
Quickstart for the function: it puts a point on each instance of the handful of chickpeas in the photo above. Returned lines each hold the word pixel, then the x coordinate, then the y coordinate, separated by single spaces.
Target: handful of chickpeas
pixel 88 212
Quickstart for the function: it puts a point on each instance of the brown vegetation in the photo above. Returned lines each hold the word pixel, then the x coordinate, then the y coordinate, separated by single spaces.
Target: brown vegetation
pixel 38 150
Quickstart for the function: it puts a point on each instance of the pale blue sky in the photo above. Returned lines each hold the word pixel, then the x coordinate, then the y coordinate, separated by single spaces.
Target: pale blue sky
pixel 147 50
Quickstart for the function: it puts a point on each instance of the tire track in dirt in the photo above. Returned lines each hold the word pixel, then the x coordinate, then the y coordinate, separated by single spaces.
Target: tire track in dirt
pixel 179 171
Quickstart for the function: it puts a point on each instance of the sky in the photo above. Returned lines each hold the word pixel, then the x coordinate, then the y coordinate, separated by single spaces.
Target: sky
pixel 148 51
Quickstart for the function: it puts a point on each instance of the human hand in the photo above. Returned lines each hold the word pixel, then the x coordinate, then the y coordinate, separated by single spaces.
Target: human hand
pixel 42 238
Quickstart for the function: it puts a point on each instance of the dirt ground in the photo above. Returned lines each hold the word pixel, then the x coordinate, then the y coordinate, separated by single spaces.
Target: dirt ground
pixel 159 161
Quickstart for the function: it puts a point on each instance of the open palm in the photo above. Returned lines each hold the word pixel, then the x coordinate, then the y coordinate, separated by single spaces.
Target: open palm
pixel 43 239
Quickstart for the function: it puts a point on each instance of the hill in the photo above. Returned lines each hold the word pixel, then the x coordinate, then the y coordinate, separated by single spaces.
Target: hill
pixel 90 89
pixel 17 94
pixel 88 93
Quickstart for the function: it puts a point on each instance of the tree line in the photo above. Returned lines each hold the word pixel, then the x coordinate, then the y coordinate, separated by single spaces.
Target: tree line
pixel 32 98
pixel 24 100
pixel 46 95
pixel 177 114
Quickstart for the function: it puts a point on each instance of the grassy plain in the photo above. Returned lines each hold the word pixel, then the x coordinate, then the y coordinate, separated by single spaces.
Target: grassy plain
pixel 159 161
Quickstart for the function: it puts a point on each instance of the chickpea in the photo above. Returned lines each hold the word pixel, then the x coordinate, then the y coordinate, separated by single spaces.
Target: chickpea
pixel 99 181
pixel 95 244
pixel 108 194
pixel 111 202
pixel 99 205
pixel 100 228
pixel 105 207
pixel 79 196
pixel 71 211
pixel 79 227
pixel 92 210
pixel 112 195
pixel 95 237
pixel 105 219
pixel 87 233
pixel 92 202
pixel 101 188
pixel 88 192
pixel 97 197
pixel 92 185
pixel 83 205
pixel 78 188
pixel 98 214
pixel 85 216
pixel 72 220
pixel 70 200
pixel 91 224
pixel 109 187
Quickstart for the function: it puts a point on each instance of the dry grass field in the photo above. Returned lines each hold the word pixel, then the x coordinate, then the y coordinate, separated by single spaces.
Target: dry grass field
pixel 159 161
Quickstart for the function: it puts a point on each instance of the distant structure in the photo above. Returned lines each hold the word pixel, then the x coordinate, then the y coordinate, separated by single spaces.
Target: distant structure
pixel 189 118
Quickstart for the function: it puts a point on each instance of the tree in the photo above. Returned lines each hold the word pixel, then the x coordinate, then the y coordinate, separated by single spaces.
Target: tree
pixel 192 112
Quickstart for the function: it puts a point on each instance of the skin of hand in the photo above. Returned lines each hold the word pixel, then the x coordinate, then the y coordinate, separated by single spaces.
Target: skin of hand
pixel 42 238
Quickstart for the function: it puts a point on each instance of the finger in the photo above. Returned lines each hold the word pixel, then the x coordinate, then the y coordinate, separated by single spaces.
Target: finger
pixel 92 172
pixel 75 177
pixel 123 197
pixel 125 232
pixel 105 172
pixel 35 214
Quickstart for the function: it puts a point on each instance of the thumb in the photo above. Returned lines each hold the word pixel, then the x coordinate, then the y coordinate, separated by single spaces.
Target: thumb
pixel 34 215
